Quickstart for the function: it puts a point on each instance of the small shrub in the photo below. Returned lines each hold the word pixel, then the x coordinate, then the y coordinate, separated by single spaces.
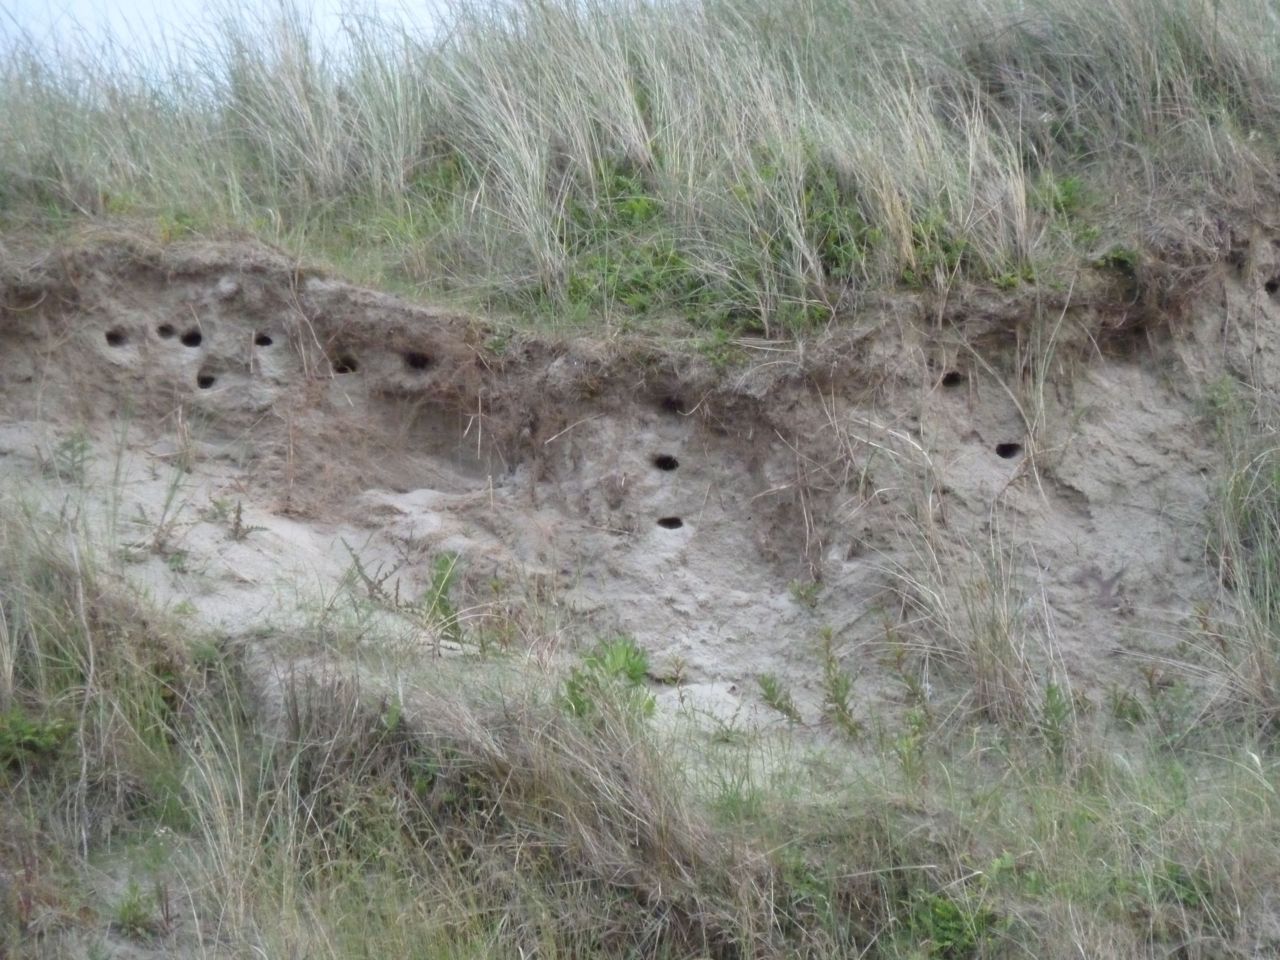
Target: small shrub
pixel 238 529
pixel 1012 279
pixel 638 276
pixel 133 916
pixel 1122 260
pixel 24 739
pixel 70 459
pixel 179 225
pixel 937 252
pixel 1173 705
pixel 837 686
pixel 1126 708
pixel 839 232
pixel 1057 720
pixel 436 604
pixel 614 673
pixel 719 349
pixel 778 697
pixel 805 592
pixel 910 743
pixel 800 317
pixel 947 928
pixel 1063 196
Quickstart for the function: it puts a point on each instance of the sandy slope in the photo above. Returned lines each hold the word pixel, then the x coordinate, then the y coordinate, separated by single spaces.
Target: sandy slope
pixel 924 470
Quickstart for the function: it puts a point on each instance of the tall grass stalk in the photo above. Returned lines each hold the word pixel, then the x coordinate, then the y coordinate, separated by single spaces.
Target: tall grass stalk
pixel 1244 648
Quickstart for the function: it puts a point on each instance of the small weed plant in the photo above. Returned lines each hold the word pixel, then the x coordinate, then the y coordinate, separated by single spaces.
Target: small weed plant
pixel 615 673
pixel 777 697
pixel 837 687
pixel 437 604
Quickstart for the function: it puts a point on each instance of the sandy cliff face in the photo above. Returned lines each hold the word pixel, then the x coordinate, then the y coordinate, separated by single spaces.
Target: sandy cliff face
pixel 257 438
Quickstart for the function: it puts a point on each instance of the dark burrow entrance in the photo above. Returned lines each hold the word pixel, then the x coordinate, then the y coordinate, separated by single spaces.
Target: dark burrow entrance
pixel 417 360
pixel 664 461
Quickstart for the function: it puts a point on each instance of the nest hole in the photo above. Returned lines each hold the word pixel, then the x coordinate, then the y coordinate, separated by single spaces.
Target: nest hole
pixel 166 331
pixel 1272 286
pixel 952 379
pixel 1007 451
pixel 417 360
pixel 345 364
pixel 116 337
pixel 263 340
pixel 670 523
pixel 664 461
pixel 672 404
pixel 192 338
pixel 205 380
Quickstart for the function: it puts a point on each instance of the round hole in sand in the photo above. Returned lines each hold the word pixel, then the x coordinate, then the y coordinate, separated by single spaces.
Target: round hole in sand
pixel 345 364
pixel 116 337
pixel 1272 286
pixel 664 461
pixel 671 404
pixel 952 378
pixel 166 331
pixel 192 338
pixel 1007 451
pixel 263 340
pixel 417 360
pixel 205 380
pixel 670 523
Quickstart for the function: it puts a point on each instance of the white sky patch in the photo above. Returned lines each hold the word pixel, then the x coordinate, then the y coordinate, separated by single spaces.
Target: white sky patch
pixel 139 25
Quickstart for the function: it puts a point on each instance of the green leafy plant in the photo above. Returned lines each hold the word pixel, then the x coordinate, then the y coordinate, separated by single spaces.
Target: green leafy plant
pixel 839 232
pixel 133 915
pixel 1057 721
pixel 620 255
pixel 615 672
pixel 639 276
pixel 24 738
pixel 1188 887
pixel 1126 707
pixel 178 225
pixel 909 745
pixel 237 528
pixel 1122 259
pixel 719 349
pixel 947 928
pixel 938 252
pixel 70 459
pixel 1012 279
pixel 805 592
pixel 1062 195
pixel 165 528
pixel 837 688
pixel 437 604
pixel 776 695
pixel 1172 705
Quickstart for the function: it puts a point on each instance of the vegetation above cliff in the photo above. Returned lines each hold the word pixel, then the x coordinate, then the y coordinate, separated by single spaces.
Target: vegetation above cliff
pixel 744 165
